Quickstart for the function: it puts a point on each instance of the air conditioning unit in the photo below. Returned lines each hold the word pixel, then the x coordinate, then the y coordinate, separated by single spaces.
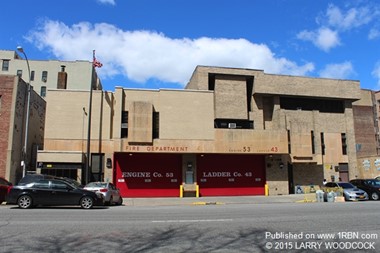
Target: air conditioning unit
pixel 231 125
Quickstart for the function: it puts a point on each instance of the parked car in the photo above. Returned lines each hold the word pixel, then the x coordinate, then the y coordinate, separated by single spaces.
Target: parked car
pixel 52 192
pixel 4 187
pixel 110 192
pixel 371 186
pixel 377 178
pixel 350 192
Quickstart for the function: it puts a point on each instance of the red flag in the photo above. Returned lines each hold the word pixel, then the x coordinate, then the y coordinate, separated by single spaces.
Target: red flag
pixel 95 62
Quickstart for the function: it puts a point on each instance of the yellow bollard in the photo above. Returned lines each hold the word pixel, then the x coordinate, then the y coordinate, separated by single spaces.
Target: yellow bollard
pixel 197 191
pixel 181 191
pixel 266 189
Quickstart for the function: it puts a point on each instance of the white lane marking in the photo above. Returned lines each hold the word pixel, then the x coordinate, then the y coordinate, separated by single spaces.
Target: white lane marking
pixel 191 221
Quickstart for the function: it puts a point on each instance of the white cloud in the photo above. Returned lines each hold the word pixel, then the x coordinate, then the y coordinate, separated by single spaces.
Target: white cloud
pixel 336 21
pixel 376 74
pixel 373 34
pixel 343 70
pixel 352 18
pixel 323 38
pixel 142 55
pixel 111 2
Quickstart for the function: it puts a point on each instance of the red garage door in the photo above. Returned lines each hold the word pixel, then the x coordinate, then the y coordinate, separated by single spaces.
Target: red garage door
pixel 231 175
pixel 148 175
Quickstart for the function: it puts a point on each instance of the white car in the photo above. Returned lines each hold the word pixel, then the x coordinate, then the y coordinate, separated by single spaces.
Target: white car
pixel 108 190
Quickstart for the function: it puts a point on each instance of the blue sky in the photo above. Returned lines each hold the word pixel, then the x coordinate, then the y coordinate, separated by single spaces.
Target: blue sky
pixel 158 43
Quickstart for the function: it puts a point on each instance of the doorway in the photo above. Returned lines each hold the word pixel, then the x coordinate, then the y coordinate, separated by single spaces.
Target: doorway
pixel 290 178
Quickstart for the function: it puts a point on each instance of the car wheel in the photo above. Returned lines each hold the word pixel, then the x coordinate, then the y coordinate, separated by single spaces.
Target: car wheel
pixel 110 202
pixel 86 202
pixel 25 201
pixel 120 202
pixel 374 196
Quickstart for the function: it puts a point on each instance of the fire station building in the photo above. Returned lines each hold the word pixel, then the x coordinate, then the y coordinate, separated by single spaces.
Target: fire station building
pixel 229 132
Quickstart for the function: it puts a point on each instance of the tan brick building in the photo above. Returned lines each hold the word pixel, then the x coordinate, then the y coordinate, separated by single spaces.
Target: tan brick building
pixel 367 134
pixel 44 75
pixel 13 98
pixel 229 132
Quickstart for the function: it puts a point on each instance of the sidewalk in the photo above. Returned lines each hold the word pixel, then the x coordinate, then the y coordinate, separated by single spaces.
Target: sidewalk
pixel 174 201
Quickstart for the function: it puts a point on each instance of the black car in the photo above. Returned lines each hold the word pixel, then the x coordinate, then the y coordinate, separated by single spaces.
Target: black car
pixel 371 186
pixel 52 192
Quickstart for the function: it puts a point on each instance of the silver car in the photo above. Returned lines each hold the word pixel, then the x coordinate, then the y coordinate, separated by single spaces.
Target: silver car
pixel 350 192
pixel 108 190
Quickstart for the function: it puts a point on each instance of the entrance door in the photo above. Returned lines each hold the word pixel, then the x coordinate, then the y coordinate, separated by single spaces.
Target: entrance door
pixel 343 172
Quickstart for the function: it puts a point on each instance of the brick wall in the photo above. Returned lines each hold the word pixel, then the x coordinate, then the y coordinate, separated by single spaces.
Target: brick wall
pixel 6 91
pixel 365 133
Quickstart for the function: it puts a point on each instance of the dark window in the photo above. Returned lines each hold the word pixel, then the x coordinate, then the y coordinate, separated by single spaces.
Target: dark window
pixel 124 124
pixel 233 123
pixel 42 184
pixel 58 185
pixel 44 76
pixel 19 73
pixel 344 144
pixel 5 66
pixel 312 143
pixel 323 143
pixel 307 104
pixel 32 75
pixel 156 125
pixel 43 91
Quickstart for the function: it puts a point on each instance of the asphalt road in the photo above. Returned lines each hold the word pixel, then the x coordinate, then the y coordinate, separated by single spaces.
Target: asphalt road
pixel 274 227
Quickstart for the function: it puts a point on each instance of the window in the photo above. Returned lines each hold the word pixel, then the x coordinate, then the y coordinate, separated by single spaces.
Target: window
pixel 323 143
pixel 19 73
pixel 124 124
pixel 44 76
pixel 312 143
pixel 156 125
pixel 58 185
pixel 43 91
pixel 42 184
pixel 233 123
pixel 344 144
pixel 322 105
pixel 5 66
pixel 32 75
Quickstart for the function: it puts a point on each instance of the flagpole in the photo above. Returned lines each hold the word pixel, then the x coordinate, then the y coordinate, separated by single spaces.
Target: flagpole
pixel 87 170
pixel 95 64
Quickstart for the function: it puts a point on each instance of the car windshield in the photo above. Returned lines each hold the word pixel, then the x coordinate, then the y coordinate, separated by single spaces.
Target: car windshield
pixel 96 185
pixel 346 185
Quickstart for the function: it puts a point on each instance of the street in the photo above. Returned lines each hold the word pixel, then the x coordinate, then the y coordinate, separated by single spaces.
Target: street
pixel 270 227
